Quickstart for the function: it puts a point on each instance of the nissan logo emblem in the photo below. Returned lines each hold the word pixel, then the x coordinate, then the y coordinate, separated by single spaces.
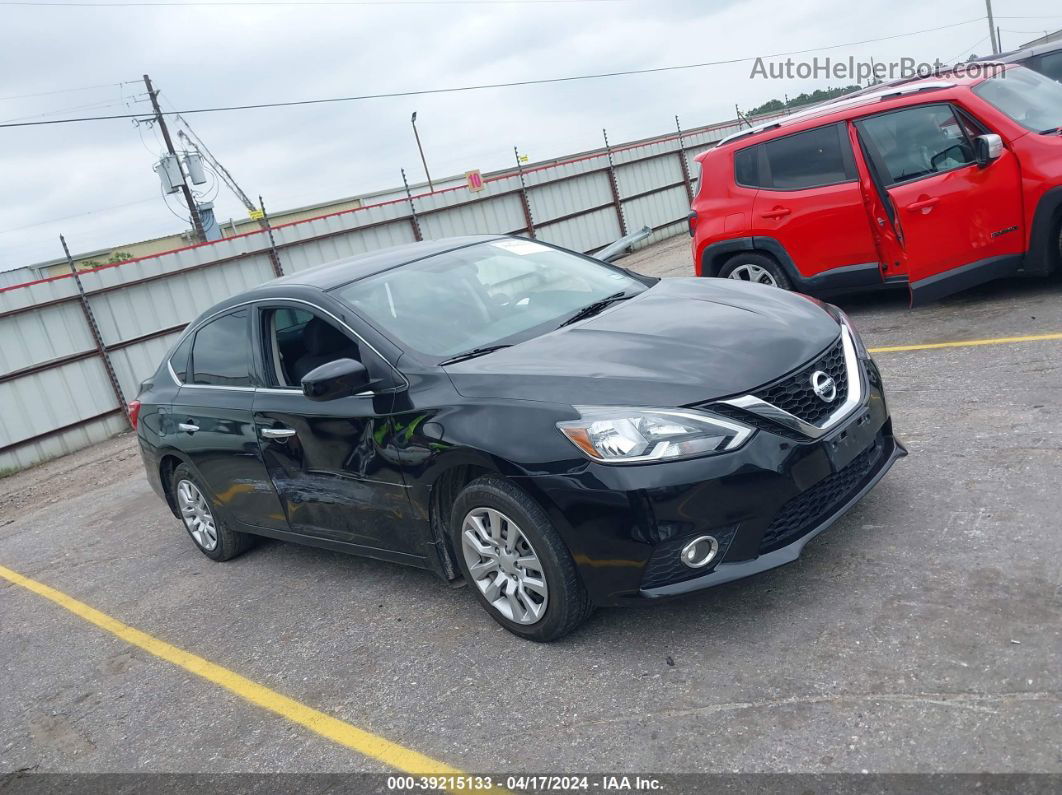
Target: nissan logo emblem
pixel 824 386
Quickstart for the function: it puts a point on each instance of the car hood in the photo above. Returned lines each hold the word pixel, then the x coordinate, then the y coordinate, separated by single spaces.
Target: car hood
pixel 682 341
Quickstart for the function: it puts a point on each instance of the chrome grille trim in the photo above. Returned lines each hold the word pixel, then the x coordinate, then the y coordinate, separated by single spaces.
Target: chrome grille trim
pixel 856 392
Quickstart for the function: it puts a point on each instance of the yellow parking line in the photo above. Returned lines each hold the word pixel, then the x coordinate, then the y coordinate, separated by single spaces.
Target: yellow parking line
pixel 964 343
pixel 364 742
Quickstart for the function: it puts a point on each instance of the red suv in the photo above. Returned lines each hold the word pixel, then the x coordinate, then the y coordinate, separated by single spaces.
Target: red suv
pixel 940 184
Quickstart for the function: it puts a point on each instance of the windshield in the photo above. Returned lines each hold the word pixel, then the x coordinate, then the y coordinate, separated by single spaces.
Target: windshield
pixel 1029 98
pixel 493 293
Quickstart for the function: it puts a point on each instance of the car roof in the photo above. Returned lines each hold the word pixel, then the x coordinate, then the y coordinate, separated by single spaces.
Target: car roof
pixel 847 105
pixel 1022 54
pixel 349 269
pixel 329 275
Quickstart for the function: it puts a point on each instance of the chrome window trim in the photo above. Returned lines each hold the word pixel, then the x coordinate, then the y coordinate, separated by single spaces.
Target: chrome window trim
pixel 255 302
pixel 856 392
pixel 294 390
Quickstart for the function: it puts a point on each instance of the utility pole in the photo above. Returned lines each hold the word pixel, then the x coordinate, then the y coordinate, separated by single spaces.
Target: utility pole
pixel 413 121
pixel 197 224
pixel 196 143
pixel 992 28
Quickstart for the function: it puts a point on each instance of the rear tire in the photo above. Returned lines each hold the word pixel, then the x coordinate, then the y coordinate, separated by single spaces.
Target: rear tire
pixel 202 522
pixel 515 561
pixel 756 268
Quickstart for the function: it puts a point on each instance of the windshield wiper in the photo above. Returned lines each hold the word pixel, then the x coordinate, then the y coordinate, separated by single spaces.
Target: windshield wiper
pixel 472 354
pixel 594 308
pixel 1051 130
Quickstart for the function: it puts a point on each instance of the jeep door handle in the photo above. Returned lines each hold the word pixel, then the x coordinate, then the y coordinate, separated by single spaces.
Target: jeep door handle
pixel 187 427
pixel 777 212
pixel 923 204
pixel 277 433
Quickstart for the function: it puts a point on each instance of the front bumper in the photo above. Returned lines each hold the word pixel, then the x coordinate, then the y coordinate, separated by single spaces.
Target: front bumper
pixel 764 502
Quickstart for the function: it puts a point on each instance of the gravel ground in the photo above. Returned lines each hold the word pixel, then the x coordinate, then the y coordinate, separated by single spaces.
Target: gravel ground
pixel 920 634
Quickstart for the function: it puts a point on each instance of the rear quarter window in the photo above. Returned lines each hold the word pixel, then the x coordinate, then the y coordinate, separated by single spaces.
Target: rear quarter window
pixel 179 359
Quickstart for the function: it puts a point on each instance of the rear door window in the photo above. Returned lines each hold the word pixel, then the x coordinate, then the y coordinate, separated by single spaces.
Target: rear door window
pixel 221 352
pixel 809 159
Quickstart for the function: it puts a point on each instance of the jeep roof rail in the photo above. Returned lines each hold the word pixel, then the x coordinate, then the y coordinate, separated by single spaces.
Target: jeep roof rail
pixel 890 92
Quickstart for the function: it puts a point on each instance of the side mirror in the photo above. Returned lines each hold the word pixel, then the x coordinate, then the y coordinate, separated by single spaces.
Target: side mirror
pixel 987 148
pixel 341 378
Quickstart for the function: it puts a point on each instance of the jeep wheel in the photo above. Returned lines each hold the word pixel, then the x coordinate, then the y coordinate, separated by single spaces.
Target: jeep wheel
pixel 755 268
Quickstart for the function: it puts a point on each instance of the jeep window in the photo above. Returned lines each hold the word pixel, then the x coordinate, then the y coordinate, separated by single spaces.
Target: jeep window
pixel 1029 98
pixel 809 159
pixel 918 142
pixel 746 167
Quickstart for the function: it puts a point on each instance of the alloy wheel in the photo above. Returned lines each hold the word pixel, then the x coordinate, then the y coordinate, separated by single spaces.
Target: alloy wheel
pixel 753 273
pixel 504 565
pixel 197 515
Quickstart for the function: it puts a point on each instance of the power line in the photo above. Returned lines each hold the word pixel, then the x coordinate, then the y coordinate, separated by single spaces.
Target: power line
pixel 512 84
pixel 76 215
pixel 965 50
pixel 103 103
pixel 68 90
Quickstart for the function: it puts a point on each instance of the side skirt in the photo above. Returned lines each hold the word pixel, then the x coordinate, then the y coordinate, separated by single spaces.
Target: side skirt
pixel 417 561
pixel 955 280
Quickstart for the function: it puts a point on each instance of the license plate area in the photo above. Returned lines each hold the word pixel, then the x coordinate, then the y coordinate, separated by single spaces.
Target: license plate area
pixel 851 440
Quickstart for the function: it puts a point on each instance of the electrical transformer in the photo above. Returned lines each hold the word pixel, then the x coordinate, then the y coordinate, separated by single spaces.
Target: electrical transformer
pixel 193 164
pixel 169 171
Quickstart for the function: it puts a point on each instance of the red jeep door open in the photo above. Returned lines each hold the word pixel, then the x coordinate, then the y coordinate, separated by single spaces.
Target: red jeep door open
pixel 959 224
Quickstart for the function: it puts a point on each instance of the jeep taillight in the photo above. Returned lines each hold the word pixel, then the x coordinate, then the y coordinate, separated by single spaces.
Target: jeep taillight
pixel 134 413
pixel 691 221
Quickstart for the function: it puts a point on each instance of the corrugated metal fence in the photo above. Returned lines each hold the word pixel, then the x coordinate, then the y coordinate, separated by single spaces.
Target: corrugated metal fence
pixel 75 348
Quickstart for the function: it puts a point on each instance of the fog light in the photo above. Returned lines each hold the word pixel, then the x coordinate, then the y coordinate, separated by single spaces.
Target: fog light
pixel 699 552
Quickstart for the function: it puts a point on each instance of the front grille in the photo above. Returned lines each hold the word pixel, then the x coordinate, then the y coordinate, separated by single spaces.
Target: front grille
pixel 795 395
pixel 808 510
pixel 755 420
pixel 665 567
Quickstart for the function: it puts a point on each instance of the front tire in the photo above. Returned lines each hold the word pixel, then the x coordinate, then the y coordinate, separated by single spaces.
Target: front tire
pixel 756 268
pixel 202 522
pixel 515 561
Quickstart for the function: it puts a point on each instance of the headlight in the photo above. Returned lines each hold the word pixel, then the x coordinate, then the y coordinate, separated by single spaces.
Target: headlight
pixel 620 435
pixel 861 349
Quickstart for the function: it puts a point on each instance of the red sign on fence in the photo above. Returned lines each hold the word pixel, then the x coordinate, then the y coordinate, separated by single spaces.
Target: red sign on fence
pixel 474 180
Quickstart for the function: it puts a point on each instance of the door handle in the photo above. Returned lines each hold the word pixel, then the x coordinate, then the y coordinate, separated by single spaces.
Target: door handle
pixel 923 204
pixel 277 433
pixel 777 212
pixel 187 427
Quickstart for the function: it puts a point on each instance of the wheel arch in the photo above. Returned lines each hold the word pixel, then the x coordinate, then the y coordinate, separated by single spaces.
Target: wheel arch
pixel 168 462
pixel 451 476
pixel 1043 256
pixel 716 255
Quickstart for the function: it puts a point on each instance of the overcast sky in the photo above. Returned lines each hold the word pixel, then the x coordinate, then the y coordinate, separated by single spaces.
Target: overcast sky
pixel 94 181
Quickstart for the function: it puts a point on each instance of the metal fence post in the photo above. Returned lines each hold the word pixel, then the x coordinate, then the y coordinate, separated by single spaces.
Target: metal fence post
pixel 615 187
pixel 413 220
pixel 525 200
pixel 685 163
pixel 274 255
pixel 90 318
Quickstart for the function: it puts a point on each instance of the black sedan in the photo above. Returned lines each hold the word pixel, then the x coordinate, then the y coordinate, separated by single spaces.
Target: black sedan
pixel 557 431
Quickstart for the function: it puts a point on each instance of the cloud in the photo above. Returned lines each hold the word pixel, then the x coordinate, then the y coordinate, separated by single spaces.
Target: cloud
pixel 97 177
